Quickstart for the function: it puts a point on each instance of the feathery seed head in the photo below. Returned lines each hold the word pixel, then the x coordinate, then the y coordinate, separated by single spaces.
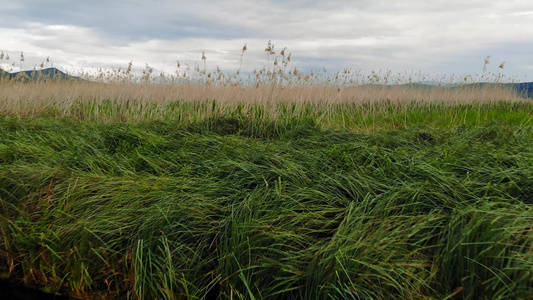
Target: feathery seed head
pixel 269 47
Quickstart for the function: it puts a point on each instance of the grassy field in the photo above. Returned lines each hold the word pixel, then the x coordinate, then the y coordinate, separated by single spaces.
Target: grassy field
pixel 288 187
pixel 421 201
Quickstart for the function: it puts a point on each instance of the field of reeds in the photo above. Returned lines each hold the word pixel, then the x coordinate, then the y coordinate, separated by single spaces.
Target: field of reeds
pixel 274 187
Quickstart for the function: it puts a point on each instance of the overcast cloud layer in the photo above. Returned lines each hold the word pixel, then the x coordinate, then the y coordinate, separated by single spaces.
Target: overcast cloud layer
pixel 434 37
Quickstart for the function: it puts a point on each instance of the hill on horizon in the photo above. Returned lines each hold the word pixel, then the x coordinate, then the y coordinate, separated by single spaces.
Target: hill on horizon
pixel 43 74
pixel 523 89
pixel 48 73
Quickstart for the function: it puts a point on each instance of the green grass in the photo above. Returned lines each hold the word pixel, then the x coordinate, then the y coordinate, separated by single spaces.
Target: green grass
pixel 369 201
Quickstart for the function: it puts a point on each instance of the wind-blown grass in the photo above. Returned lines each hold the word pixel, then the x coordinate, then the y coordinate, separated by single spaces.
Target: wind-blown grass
pixel 280 186
pixel 426 202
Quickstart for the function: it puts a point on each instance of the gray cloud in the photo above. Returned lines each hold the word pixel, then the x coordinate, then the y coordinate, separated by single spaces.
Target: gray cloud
pixel 437 37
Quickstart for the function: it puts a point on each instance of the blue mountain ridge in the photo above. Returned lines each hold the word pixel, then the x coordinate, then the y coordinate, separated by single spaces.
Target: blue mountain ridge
pixel 48 73
pixel 525 89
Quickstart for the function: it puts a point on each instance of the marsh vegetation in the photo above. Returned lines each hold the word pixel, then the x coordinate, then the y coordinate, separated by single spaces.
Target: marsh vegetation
pixel 277 189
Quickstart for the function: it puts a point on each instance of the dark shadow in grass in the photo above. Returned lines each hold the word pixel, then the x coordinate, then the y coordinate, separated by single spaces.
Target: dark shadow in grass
pixel 17 291
pixel 255 128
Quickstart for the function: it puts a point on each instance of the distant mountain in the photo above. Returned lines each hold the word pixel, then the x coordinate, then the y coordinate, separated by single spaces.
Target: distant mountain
pixel 525 89
pixel 43 74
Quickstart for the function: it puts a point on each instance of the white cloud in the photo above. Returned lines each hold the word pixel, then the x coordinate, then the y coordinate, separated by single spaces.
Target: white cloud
pixel 432 36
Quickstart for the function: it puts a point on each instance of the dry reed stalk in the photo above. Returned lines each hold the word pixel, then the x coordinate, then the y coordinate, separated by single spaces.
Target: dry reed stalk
pixel 36 98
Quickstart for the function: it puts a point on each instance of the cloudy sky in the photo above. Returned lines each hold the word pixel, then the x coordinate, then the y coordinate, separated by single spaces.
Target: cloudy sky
pixel 434 37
